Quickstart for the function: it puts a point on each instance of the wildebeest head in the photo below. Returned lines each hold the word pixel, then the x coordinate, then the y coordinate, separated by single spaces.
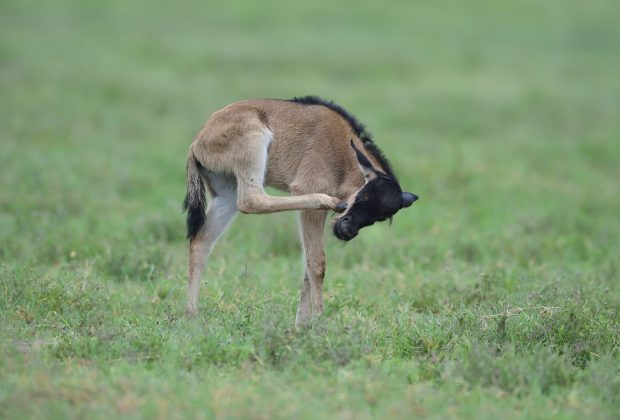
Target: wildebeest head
pixel 378 200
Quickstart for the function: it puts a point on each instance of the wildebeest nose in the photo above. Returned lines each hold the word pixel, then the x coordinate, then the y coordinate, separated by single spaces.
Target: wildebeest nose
pixel 344 228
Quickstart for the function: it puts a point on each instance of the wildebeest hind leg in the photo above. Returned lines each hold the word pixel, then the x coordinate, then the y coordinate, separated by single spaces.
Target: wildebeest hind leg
pixel 220 212
pixel 250 173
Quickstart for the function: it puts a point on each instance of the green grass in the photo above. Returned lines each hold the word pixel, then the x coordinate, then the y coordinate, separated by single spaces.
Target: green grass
pixel 496 295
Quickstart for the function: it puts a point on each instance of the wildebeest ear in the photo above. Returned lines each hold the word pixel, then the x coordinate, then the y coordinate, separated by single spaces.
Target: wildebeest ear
pixel 362 160
pixel 409 198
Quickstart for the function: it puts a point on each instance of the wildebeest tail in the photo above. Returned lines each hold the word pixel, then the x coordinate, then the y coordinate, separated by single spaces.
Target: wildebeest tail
pixel 195 201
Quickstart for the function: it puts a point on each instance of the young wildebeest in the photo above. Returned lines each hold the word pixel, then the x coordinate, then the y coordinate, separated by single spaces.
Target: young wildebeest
pixel 307 146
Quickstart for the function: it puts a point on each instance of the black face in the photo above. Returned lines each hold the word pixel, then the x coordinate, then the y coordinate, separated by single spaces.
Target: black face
pixel 377 201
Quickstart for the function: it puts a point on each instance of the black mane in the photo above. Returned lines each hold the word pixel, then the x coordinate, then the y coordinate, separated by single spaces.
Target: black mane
pixel 359 128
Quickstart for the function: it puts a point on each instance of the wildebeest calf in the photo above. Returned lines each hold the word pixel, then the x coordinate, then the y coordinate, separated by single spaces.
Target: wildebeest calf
pixel 307 146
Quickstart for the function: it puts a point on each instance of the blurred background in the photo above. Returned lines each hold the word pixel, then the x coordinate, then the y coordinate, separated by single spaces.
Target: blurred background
pixel 502 115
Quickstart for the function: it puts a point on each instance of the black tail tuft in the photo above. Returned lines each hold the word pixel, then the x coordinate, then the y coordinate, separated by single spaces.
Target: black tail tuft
pixel 195 202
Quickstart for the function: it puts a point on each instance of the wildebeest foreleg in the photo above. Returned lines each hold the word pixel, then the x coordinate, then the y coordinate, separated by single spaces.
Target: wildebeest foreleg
pixel 312 225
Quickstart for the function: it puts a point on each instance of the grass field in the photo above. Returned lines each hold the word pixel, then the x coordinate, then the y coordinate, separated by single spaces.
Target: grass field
pixel 495 296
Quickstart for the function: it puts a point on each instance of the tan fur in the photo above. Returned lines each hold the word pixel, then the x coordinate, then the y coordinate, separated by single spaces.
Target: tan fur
pixel 301 149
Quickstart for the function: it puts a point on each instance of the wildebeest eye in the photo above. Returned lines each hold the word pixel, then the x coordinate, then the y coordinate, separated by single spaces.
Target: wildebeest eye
pixel 361 198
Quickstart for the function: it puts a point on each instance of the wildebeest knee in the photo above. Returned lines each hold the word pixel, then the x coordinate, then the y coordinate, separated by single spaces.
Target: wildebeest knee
pixel 248 204
pixel 318 269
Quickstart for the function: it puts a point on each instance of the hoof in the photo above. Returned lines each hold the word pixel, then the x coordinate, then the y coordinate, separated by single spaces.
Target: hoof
pixel 340 207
